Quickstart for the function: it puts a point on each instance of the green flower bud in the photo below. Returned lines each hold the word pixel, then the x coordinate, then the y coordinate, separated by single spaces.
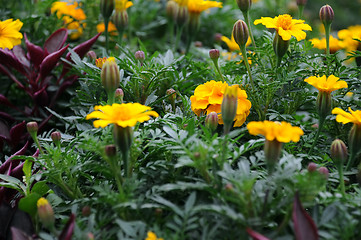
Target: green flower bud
pixel 272 152
pixel 326 15
pixel 354 140
pixel 32 128
pixel 119 95
pixel 56 137
pixel 240 33
pixel 110 150
pixel 123 138
pixel 323 104
pixel 312 167
pixel 182 16
pixel 106 8
pixel 324 171
pixel 140 56
pixel 45 212
pixel 120 20
pixel 172 10
pixel 244 5
pixel 280 46
pixel 171 93
pixel 212 121
pixel 229 106
pixel 110 75
pixel 214 54
pixel 338 152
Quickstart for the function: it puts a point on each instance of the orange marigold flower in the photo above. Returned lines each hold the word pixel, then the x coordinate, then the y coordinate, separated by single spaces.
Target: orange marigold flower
pixel 208 97
pixel 100 61
pixel 281 131
pixel 111 28
pixel 286 26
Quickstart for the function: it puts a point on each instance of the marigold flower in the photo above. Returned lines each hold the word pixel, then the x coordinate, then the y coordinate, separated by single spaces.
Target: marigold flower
pixel 99 62
pixel 324 84
pixel 335 44
pixel 350 36
pixel 281 131
pixel 209 96
pixel 286 26
pixel 123 115
pixel 198 6
pixel 122 5
pixel 45 212
pixel 152 236
pixel 9 33
pixel 345 117
pixel 111 28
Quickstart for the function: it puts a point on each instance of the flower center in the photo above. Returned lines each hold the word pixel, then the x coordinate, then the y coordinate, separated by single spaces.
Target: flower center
pixel 284 21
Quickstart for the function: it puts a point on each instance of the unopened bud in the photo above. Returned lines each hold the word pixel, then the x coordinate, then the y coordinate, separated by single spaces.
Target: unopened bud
pixel 182 16
pixel 324 171
pixel 228 187
pixel 218 37
pixel 110 150
pixel 110 75
pixel 301 2
pixel 56 137
pixel 120 20
pixel 280 46
pixel 323 104
pixel 45 212
pixel 214 54
pixel 244 5
pixel 212 121
pixel 198 44
pixel 171 93
pixel 354 140
pixel 172 10
pixel 86 211
pixel 312 167
pixel 240 32
pixel 272 152
pixel 106 8
pixel 119 95
pixel 229 106
pixel 326 14
pixel 338 152
pixel 123 137
pixel 140 56
pixel 32 127
pixel 92 55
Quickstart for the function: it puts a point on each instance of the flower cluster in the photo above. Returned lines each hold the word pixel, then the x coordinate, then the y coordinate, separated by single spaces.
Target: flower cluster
pixel 73 17
pixel 208 97
pixel 9 33
pixel 123 115
pixel 281 131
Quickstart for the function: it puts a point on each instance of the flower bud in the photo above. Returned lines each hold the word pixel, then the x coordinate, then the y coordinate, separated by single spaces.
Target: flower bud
pixel 182 15
pixel 110 75
pixel 45 212
pixel 354 140
pixel 86 211
pixel 172 10
pixel 324 171
pixel 198 44
pixel 32 128
pixel 212 121
pixel 106 8
pixel 171 93
pixel 119 95
pixel 218 37
pixel 338 152
pixel 240 33
pixel 140 56
pixel 110 150
pixel 312 167
pixel 56 137
pixel 92 55
pixel 229 106
pixel 214 54
pixel 280 46
pixel 244 5
pixel 123 138
pixel 323 104
pixel 326 14
pixel 272 152
pixel 301 2
pixel 120 20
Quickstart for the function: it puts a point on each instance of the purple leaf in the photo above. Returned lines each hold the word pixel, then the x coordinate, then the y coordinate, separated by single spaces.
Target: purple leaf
pixel 305 228
pixel 20 55
pixel 4 131
pixel 5 101
pixel 55 41
pixel 17 132
pixel 17 234
pixel 41 97
pixel 50 61
pixel 4 70
pixel 256 235
pixel 7 58
pixel 7 116
pixel 36 53
pixel 67 232
pixel 6 164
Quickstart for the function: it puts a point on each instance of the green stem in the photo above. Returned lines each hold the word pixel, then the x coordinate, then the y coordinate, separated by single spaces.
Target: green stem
pixel 177 38
pixel 320 125
pixel 111 97
pixel 327 32
pixel 247 20
pixel 126 164
pixel 189 42
pixel 245 60
pixel 106 21
pixel 350 161
pixel 300 11
pixel 342 182
pixel 215 61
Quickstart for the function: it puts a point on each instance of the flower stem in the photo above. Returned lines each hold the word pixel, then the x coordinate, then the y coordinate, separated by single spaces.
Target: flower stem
pixel 215 61
pixel 320 125
pixel 245 60
pixel 350 161
pixel 177 38
pixel 247 20
pixel 342 182
pixel 106 21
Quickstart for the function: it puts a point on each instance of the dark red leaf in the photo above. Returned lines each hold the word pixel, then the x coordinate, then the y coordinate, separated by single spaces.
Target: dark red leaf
pixel 56 41
pixel 4 131
pixel 305 228
pixel 20 54
pixel 50 61
pixel 41 97
pixel 256 235
pixel 6 164
pixel 7 58
pixel 67 232
pixel 7 116
pixel 36 53
pixel 5 101
pixel 17 234
pixel 17 132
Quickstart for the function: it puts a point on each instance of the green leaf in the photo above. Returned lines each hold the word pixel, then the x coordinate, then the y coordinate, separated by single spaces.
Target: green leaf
pixel 27 169
pixel 40 188
pixel 13 183
pixel 28 203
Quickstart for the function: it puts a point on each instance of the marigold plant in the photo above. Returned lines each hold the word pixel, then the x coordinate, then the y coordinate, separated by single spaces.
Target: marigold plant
pixel 286 26
pixel 123 115
pixel 208 97
pixel 10 35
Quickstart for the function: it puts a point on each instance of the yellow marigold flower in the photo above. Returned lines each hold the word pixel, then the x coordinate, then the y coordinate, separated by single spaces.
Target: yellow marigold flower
pixel 198 6
pixel 152 236
pixel 122 5
pixel 286 26
pixel 42 202
pixel 99 62
pixel 9 33
pixel 345 117
pixel 209 96
pixel 350 36
pixel 335 44
pixel 324 84
pixel 281 131
pixel 123 115
pixel 111 28
pixel 231 43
